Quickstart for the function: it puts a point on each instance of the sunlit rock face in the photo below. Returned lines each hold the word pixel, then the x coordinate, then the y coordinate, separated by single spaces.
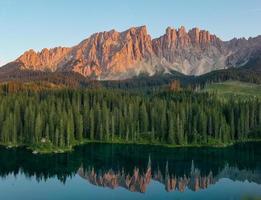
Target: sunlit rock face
pixel 121 55
pixel 47 59
pixel 108 54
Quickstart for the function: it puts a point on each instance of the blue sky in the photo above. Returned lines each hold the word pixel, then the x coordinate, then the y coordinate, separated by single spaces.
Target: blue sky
pixel 26 24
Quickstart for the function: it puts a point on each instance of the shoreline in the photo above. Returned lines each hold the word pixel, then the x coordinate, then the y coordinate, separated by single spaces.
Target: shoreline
pixel 55 150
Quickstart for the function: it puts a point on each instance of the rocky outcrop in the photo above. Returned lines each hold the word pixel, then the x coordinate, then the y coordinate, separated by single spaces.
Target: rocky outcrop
pixel 194 52
pixel 243 50
pixel 109 53
pixel 121 55
pixel 47 59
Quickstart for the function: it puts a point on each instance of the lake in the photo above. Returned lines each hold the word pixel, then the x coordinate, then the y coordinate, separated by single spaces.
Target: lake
pixel 106 171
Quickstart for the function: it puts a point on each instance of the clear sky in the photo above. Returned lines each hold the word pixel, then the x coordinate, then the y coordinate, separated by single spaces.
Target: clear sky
pixel 26 24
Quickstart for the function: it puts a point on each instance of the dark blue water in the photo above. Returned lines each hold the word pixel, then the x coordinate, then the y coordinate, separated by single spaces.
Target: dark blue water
pixel 99 171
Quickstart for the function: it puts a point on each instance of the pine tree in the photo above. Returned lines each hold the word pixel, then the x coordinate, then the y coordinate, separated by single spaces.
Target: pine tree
pixel 47 132
pixel 232 124
pixel 79 127
pixel 259 114
pixel 38 128
pixel 69 129
pixel 143 118
pixel 112 127
pixel 56 141
pixel 92 126
pixel 171 131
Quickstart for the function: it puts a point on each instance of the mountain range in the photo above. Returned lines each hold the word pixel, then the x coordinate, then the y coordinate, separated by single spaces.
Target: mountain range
pixel 116 55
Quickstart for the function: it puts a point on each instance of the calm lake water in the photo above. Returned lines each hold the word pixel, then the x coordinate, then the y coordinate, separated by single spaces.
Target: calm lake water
pixel 105 171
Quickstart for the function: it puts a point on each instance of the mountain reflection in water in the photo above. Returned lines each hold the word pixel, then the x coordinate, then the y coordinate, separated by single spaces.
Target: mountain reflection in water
pixel 134 167
pixel 138 181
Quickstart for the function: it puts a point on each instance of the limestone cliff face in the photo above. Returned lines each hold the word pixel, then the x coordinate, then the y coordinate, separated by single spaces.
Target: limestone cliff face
pixel 47 59
pixel 121 55
pixel 242 50
pixel 110 52
pixel 194 52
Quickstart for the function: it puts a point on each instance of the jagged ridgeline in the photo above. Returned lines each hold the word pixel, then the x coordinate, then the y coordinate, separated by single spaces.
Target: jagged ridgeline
pixel 133 60
pixel 134 167
pixel 114 55
pixel 60 119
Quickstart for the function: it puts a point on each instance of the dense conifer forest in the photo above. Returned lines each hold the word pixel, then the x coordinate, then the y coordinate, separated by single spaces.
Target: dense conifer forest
pixel 62 118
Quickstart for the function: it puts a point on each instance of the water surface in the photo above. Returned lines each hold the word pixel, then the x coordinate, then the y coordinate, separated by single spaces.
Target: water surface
pixel 105 171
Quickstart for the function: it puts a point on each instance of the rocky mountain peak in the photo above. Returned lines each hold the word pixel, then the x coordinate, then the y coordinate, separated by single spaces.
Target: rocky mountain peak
pixel 182 31
pixel 119 55
pixel 194 35
pixel 137 30
pixel 47 59
pixel 110 52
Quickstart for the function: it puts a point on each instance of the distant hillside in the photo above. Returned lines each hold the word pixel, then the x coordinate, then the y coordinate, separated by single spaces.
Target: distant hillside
pixel 241 74
pixel 250 73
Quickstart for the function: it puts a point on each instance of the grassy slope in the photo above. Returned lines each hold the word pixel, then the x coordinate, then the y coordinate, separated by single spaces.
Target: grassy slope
pixel 234 88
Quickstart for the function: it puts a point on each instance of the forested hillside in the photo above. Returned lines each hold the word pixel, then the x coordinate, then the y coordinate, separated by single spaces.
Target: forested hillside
pixel 59 119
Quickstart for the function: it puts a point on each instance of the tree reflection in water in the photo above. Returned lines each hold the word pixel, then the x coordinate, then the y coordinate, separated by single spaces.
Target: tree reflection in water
pixel 134 167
